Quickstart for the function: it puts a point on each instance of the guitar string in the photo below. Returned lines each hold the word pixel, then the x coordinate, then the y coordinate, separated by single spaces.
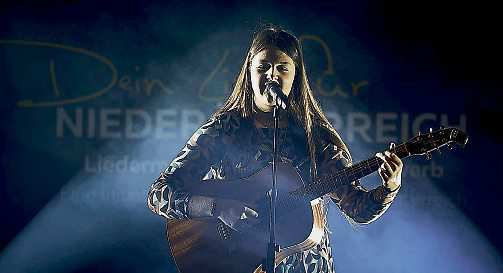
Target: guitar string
pixel 360 168
pixel 355 170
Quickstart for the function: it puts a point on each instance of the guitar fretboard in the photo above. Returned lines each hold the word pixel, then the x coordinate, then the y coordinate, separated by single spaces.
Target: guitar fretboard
pixel 328 183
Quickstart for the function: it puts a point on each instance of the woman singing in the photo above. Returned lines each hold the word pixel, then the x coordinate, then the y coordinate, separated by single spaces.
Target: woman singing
pixel 237 141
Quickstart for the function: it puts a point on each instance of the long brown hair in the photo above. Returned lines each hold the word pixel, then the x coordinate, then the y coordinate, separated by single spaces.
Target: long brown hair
pixel 303 107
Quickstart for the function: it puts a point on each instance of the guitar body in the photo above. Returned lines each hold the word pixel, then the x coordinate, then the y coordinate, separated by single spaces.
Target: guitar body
pixel 210 246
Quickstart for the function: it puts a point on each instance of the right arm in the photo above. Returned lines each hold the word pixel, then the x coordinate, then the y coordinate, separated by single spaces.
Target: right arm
pixel 167 196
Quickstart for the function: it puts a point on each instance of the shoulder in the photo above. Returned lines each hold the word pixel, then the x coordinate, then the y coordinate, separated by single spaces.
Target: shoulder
pixel 226 122
pixel 231 116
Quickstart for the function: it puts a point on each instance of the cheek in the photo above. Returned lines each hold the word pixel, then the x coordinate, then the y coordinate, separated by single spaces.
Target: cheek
pixel 254 81
pixel 257 81
pixel 288 83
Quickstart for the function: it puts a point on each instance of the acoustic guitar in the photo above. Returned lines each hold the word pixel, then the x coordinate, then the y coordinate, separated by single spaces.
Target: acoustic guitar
pixel 209 246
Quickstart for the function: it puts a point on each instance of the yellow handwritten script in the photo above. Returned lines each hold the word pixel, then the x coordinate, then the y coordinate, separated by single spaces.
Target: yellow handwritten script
pixel 203 90
pixel 329 70
pixel 146 85
pixel 56 89
pixel 125 82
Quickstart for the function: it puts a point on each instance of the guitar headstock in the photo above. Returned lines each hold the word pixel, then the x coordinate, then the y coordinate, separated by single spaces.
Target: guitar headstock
pixel 424 144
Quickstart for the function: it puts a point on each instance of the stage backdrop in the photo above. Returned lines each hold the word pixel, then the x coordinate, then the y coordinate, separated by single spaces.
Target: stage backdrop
pixel 96 101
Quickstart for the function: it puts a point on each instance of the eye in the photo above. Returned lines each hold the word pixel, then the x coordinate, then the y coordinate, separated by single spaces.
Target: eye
pixel 282 68
pixel 263 67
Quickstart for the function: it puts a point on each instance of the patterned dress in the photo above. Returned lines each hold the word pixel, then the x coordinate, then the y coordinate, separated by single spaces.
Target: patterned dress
pixel 229 146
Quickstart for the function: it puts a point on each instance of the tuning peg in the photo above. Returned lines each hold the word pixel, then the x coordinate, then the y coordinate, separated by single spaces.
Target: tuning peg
pixel 418 133
pixel 431 130
pixel 428 156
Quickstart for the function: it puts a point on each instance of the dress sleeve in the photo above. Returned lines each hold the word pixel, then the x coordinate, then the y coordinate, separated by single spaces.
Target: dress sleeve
pixel 359 204
pixel 167 196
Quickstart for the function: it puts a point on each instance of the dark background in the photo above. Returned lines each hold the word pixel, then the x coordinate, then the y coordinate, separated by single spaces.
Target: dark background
pixel 427 57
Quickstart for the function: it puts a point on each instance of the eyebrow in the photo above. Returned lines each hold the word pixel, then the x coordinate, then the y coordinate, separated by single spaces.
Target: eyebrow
pixel 266 61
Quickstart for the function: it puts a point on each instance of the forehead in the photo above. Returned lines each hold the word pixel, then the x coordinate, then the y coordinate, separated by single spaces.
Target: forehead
pixel 272 55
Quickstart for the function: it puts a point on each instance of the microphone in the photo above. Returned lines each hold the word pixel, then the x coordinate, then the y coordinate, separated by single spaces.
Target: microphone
pixel 274 90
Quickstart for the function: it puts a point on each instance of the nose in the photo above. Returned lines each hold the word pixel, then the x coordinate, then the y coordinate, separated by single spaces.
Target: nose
pixel 272 74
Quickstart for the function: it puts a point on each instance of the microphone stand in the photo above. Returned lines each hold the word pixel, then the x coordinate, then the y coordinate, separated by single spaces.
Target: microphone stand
pixel 273 194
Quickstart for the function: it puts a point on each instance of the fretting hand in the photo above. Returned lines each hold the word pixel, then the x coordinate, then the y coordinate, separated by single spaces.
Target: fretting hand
pixel 391 169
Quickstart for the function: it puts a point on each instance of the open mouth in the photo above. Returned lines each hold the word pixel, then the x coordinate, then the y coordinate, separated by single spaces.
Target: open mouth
pixel 270 99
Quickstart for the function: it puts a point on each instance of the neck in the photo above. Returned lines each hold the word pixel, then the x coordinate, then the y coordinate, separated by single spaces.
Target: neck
pixel 266 120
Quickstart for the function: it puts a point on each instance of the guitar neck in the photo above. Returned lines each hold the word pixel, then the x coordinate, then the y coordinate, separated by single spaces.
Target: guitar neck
pixel 328 183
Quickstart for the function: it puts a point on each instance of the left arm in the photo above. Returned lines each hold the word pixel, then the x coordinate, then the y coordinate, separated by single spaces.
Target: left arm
pixel 359 204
